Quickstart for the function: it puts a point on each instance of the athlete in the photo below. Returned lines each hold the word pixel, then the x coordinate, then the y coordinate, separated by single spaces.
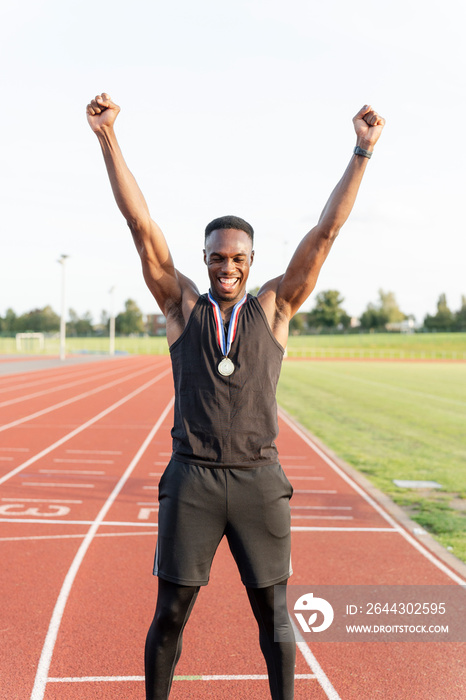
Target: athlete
pixel 226 347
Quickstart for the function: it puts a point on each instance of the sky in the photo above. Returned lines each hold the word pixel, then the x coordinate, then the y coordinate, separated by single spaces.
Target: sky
pixel 232 108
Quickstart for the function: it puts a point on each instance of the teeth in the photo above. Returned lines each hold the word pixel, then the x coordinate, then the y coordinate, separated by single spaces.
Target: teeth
pixel 227 282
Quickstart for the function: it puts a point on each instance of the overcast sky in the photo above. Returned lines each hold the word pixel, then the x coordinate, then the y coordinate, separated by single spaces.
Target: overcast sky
pixel 241 108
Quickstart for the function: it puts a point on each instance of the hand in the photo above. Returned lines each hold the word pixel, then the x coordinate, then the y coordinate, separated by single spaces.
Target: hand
pixel 101 112
pixel 368 126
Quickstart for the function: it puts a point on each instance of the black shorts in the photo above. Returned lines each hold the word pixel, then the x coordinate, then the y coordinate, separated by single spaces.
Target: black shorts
pixel 199 505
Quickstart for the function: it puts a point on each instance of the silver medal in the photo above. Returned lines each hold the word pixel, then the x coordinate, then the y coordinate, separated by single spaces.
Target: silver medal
pixel 226 367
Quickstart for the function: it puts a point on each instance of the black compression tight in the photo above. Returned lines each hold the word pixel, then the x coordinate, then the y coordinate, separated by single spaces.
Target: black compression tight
pixel 164 639
pixel 279 656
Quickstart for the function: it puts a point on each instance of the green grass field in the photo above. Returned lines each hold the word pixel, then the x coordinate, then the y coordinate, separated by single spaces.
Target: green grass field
pixel 392 420
pixel 448 346
pixel 380 345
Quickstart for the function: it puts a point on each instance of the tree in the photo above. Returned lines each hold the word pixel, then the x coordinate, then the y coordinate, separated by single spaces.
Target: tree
pixel 9 322
pixel 389 306
pixel 38 320
pixel 298 324
pixel 327 312
pixel 376 316
pixel 130 320
pixel 443 320
pixel 103 328
pixel 460 316
pixel 79 326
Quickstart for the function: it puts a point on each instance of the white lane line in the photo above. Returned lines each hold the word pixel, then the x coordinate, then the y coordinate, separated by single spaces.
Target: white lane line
pixel 38 500
pixel 306 478
pixel 82 371
pixel 15 384
pixel 51 390
pixel 6 459
pixel 110 523
pixel 84 426
pixel 321 507
pixel 322 517
pixel 75 537
pixel 149 488
pixel 70 471
pixel 96 679
pixel 59 486
pixel 49 644
pixel 165 454
pixel 73 399
pixel 133 679
pixel 155 473
pixel 291 457
pixel 160 464
pixel 314 665
pixel 297 528
pixel 388 518
pixel 94 452
pixel 14 449
pixel 61 460
pixel 289 467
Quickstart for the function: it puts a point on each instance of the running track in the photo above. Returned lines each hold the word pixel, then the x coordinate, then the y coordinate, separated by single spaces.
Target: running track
pixel 81 451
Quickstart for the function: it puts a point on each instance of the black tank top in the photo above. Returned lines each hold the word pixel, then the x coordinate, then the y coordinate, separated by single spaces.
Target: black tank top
pixel 226 421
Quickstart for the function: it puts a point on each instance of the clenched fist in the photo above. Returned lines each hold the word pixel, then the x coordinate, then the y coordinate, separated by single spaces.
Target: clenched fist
pixel 368 126
pixel 101 112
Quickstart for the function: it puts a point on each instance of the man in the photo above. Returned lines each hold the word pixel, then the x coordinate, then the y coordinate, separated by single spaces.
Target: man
pixel 226 349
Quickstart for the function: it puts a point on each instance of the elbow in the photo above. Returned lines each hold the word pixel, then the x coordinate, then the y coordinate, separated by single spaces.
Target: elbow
pixel 138 229
pixel 328 232
pixel 137 225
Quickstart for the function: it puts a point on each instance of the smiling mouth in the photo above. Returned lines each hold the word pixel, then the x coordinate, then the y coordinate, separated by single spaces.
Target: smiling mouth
pixel 228 282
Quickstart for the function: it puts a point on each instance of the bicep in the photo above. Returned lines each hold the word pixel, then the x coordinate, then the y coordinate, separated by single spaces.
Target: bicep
pixel 300 278
pixel 164 282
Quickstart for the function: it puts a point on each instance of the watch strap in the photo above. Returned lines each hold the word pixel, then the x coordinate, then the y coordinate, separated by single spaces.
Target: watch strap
pixel 358 151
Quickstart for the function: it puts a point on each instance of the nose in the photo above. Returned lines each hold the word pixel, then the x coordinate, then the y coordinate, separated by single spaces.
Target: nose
pixel 228 266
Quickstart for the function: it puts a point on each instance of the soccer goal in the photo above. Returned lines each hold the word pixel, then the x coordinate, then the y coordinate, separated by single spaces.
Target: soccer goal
pixel 30 342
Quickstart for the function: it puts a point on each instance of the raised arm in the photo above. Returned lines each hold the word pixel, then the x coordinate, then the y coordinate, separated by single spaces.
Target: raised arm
pixel 291 290
pixel 164 282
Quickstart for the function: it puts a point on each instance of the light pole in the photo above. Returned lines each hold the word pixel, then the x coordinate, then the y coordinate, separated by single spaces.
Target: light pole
pixel 112 322
pixel 61 260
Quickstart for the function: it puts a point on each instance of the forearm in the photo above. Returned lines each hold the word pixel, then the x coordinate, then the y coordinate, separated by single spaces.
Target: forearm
pixel 343 197
pixel 293 288
pixel 368 126
pixel 128 196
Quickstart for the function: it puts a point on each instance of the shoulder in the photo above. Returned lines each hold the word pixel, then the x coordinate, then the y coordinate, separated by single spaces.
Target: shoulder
pixel 275 310
pixel 178 311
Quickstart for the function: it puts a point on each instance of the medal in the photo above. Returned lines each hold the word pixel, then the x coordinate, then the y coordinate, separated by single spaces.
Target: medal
pixel 225 366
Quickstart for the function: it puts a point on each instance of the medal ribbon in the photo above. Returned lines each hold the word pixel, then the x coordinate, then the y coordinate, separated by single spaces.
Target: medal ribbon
pixel 225 343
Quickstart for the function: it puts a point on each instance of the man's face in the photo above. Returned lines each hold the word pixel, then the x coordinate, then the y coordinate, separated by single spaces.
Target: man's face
pixel 228 255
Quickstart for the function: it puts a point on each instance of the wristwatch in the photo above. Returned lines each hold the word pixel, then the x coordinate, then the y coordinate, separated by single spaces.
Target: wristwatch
pixel 358 151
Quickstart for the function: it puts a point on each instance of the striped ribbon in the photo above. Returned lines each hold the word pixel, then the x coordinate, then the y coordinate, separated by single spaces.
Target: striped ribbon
pixel 225 343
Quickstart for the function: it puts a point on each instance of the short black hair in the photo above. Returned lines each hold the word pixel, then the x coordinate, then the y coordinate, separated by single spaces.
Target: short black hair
pixel 226 222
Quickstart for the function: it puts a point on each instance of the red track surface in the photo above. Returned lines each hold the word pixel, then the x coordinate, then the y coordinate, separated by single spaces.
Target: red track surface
pixel 78 488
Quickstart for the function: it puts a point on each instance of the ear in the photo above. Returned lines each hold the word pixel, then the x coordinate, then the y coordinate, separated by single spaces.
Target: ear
pixel 252 257
pixel 205 257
